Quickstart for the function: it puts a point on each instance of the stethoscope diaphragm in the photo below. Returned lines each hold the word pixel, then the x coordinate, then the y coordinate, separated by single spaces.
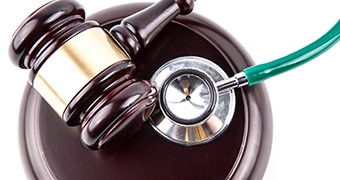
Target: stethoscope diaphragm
pixel 191 110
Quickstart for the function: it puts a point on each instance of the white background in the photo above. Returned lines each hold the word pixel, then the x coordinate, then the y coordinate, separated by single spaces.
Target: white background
pixel 305 101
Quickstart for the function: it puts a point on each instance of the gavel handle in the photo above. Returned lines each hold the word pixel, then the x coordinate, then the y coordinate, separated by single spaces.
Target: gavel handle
pixel 135 32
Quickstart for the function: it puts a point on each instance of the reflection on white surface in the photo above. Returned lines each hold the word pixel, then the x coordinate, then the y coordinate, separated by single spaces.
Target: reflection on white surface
pixel 306 120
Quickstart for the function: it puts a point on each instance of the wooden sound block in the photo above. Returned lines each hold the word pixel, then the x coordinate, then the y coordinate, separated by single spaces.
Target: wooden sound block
pixel 51 149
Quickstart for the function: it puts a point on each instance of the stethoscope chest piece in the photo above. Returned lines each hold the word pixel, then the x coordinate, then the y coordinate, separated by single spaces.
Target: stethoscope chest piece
pixel 191 109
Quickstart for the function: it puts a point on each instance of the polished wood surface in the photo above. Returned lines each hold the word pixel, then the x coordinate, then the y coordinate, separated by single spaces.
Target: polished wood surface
pixel 51 149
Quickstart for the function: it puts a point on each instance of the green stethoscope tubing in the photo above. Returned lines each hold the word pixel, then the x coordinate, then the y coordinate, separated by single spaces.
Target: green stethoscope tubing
pixel 261 72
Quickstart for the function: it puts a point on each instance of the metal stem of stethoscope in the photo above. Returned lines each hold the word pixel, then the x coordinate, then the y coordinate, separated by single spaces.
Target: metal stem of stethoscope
pixel 258 73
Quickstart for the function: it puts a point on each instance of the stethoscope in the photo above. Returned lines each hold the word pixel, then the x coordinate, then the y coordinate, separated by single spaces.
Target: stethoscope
pixel 194 84
pixel 189 100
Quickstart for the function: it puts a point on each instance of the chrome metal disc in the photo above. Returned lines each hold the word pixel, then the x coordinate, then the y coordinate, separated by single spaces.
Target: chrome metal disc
pixel 188 96
pixel 191 110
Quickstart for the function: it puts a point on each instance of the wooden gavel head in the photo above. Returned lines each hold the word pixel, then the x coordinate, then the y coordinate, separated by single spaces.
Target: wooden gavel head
pixel 86 73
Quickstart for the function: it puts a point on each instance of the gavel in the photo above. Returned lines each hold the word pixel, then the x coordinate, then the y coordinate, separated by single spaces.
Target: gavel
pixel 85 73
